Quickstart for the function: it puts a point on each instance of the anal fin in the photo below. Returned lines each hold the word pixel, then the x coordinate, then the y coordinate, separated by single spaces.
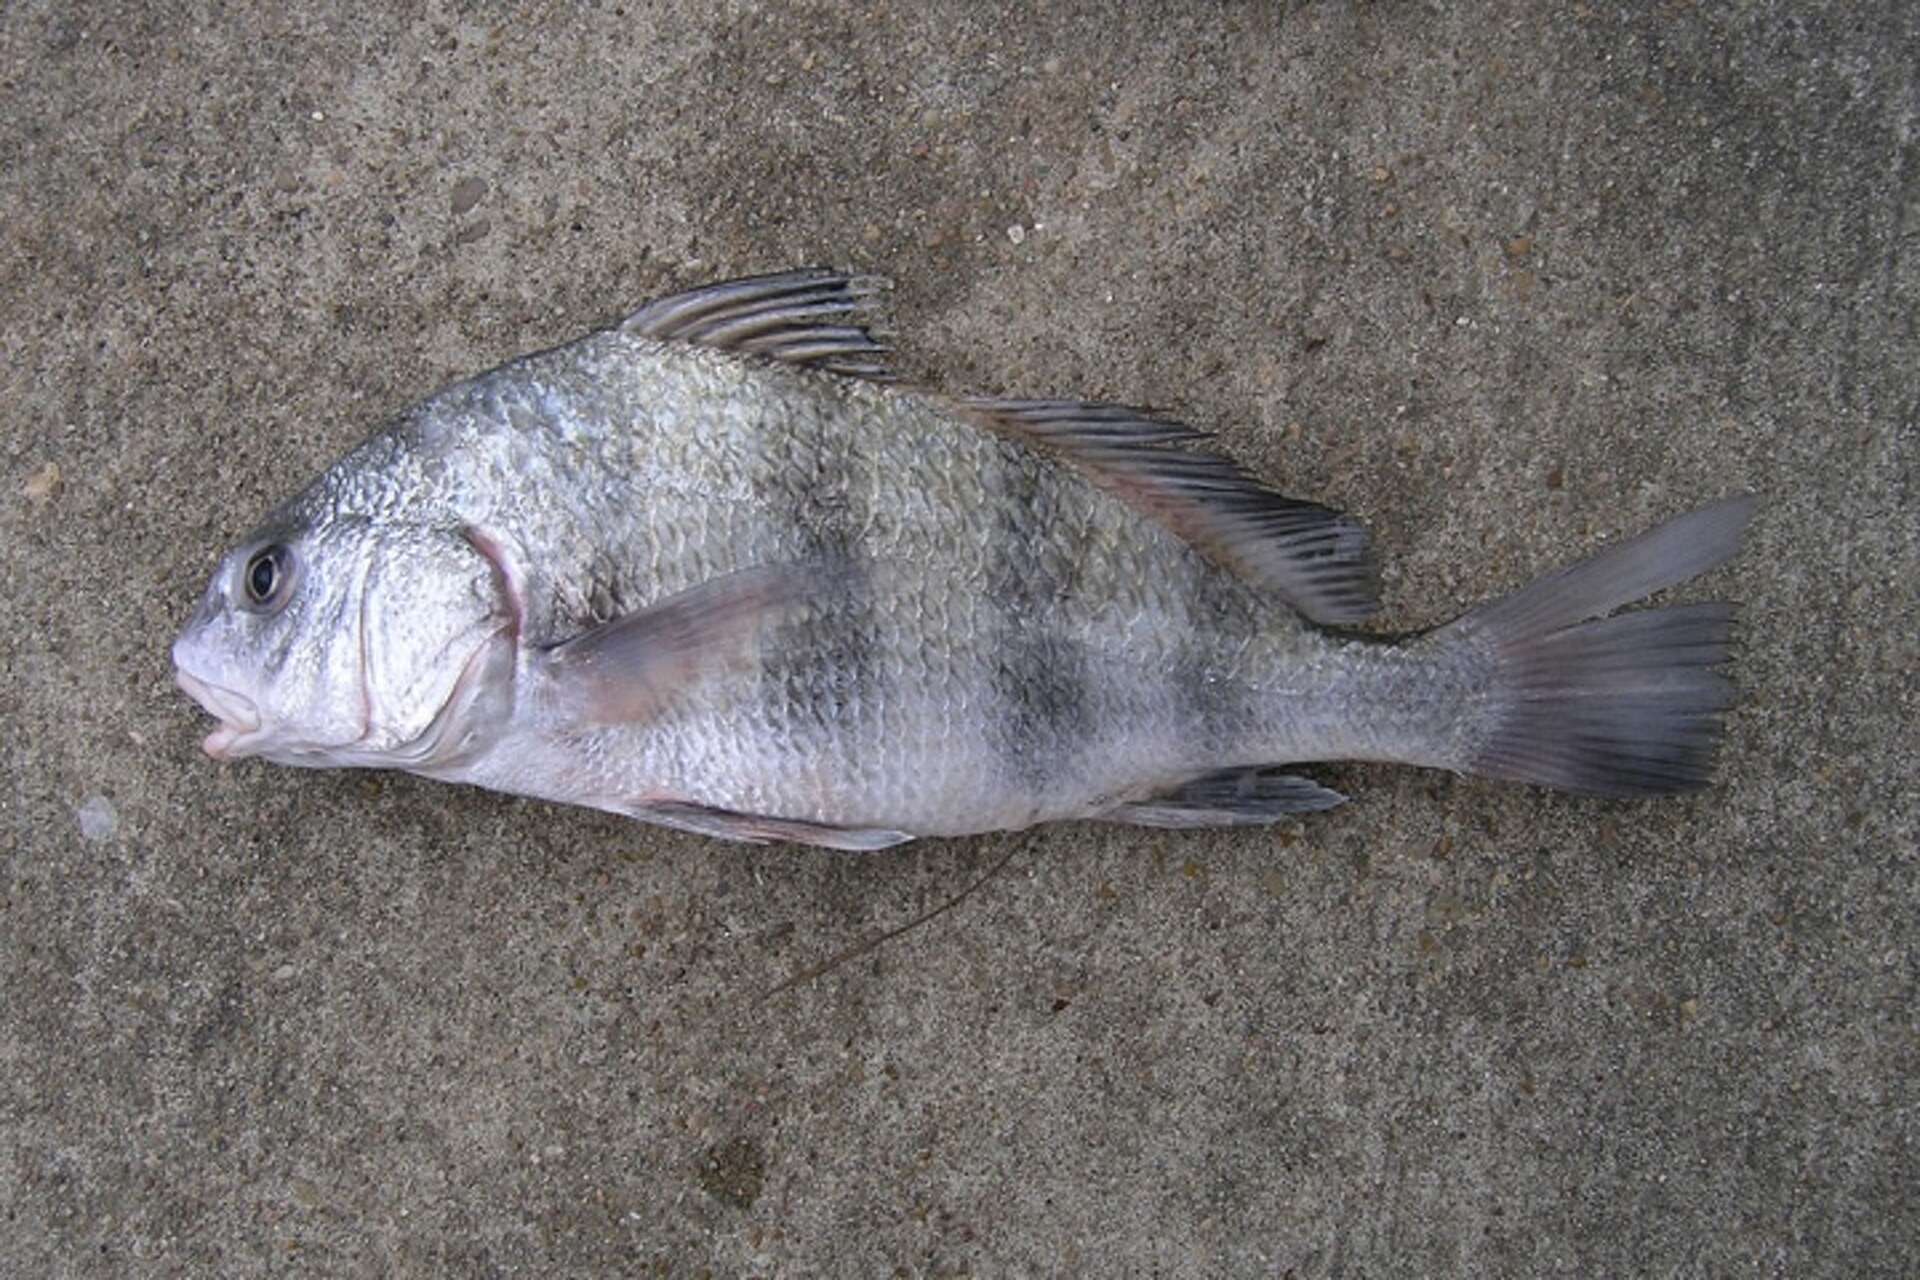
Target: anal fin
pixel 753 828
pixel 1246 797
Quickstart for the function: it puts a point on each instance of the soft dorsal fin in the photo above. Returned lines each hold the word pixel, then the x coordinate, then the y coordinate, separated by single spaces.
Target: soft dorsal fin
pixel 1314 557
pixel 814 317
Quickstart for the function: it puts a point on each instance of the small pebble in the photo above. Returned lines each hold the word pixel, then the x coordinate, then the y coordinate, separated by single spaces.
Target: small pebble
pixel 1016 233
pixel 467 193
pixel 98 821
pixel 42 484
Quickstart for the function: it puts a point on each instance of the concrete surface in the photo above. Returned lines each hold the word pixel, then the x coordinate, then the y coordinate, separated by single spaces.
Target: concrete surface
pixel 1505 280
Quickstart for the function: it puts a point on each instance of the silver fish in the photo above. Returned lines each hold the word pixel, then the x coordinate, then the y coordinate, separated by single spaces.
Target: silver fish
pixel 711 567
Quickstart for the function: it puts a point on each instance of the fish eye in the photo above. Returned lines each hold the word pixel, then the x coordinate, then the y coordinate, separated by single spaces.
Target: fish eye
pixel 268 578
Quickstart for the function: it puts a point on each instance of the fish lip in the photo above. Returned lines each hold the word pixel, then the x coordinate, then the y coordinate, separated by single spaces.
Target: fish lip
pixel 239 717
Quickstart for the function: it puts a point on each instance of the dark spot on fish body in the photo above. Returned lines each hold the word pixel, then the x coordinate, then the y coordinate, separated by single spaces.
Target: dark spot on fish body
pixel 1212 706
pixel 811 669
pixel 1043 716
pixel 1043 720
pixel 822 675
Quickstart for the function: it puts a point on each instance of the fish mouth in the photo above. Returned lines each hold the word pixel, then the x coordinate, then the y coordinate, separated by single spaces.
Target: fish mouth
pixel 239 718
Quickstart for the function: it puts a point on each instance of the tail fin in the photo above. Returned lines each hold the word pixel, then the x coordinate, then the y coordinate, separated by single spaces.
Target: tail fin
pixel 1623 706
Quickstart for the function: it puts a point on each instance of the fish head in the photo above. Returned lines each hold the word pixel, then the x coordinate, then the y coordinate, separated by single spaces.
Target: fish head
pixel 350 640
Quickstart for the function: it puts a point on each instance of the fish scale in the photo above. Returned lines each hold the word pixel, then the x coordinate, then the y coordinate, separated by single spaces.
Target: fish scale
pixel 712 568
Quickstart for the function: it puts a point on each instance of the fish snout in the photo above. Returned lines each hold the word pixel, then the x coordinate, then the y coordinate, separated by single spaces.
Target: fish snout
pixel 239 717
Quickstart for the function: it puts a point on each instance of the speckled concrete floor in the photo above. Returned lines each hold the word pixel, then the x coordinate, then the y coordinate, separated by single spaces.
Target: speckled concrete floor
pixel 1504 280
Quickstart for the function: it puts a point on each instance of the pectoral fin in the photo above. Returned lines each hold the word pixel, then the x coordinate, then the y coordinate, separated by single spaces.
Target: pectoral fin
pixel 631 669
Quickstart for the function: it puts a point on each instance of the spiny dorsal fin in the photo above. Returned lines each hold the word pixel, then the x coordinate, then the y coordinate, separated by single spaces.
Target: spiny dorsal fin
pixel 814 317
pixel 1314 557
